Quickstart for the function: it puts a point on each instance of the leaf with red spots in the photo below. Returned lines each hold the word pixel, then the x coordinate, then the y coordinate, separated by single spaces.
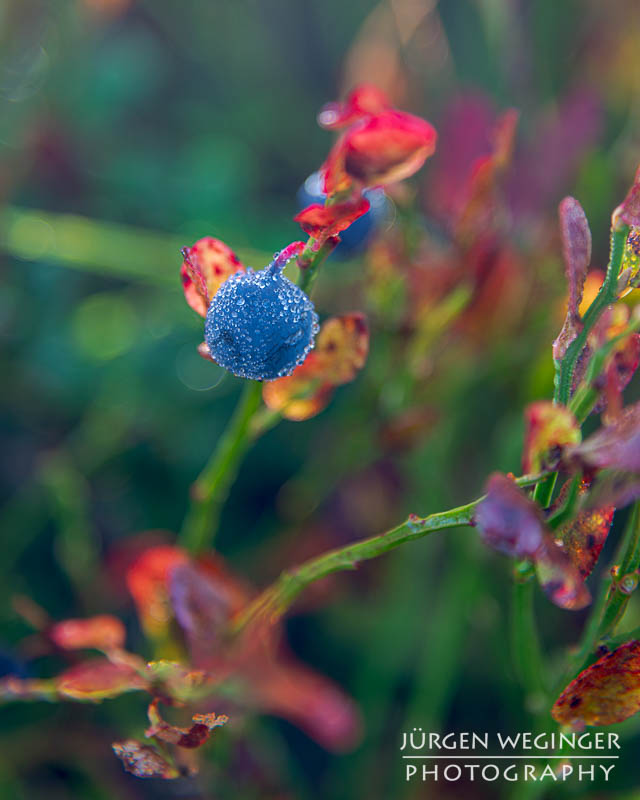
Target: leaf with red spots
pixel 144 761
pixel 616 446
pixel 360 102
pixel 191 737
pixel 341 350
pixel 102 632
pixel 549 428
pixel 584 536
pixel 323 222
pixel 604 693
pixel 206 266
pixel 148 580
pixel 98 679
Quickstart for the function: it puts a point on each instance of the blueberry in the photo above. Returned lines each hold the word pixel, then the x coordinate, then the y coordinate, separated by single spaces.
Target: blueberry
pixel 260 325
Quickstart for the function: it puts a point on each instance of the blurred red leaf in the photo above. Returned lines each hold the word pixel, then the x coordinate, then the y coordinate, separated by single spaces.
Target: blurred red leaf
pixel 206 266
pixel 576 248
pixel 510 522
pixel 323 222
pixel 604 693
pixel 147 581
pixel 191 737
pixel 143 761
pixel 341 350
pixel 613 488
pixel 98 679
pixel 381 148
pixel 363 100
pixel 620 368
pixel 102 632
pixel 549 428
pixel 616 446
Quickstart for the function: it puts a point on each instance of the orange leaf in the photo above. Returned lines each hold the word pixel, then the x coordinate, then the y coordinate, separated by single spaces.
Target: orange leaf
pixel 549 428
pixel 98 679
pixel 584 536
pixel 606 692
pixel 206 266
pixel 323 222
pixel 341 350
pixel 102 632
pixel 143 761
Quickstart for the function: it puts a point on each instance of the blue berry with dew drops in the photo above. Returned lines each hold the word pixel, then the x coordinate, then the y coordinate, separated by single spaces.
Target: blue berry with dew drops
pixel 260 325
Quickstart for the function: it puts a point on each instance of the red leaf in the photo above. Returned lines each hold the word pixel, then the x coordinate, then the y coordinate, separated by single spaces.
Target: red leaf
pixel 322 221
pixel 559 578
pixel 102 632
pixel 143 761
pixel 206 266
pixel 379 149
pixel 98 679
pixel 360 102
pixel 584 536
pixel 604 693
pixel 576 248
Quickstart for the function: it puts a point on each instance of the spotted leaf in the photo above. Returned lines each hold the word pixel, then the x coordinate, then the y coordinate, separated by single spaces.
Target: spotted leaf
pixel 549 428
pixel 206 266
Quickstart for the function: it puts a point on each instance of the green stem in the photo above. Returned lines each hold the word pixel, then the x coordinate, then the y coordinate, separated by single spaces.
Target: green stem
pixel 212 487
pixel 276 599
pixel 310 260
pixel 525 644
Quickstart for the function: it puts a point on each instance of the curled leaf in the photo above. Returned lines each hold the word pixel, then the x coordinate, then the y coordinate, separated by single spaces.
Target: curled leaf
pixel 206 266
pixel 98 679
pixel 143 761
pixel 576 249
pixel 604 693
pixel 341 350
pixel 102 632
pixel 323 222
pixel 549 428
pixel 190 738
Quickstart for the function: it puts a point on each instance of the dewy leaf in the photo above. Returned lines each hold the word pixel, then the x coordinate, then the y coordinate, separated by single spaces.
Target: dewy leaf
pixel 98 679
pixel 206 266
pixel 549 429
pixel 604 693
pixel 102 632
pixel 616 446
pixel 341 350
pixel 584 536
pixel 576 249
pixel 143 761
pixel 148 580
pixel 631 257
pixel 190 738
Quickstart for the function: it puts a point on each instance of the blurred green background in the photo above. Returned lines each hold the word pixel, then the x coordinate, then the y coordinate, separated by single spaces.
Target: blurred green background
pixel 129 128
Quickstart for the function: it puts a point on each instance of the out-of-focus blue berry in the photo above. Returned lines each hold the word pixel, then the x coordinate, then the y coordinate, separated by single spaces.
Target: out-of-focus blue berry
pixel 260 325
pixel 355 238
